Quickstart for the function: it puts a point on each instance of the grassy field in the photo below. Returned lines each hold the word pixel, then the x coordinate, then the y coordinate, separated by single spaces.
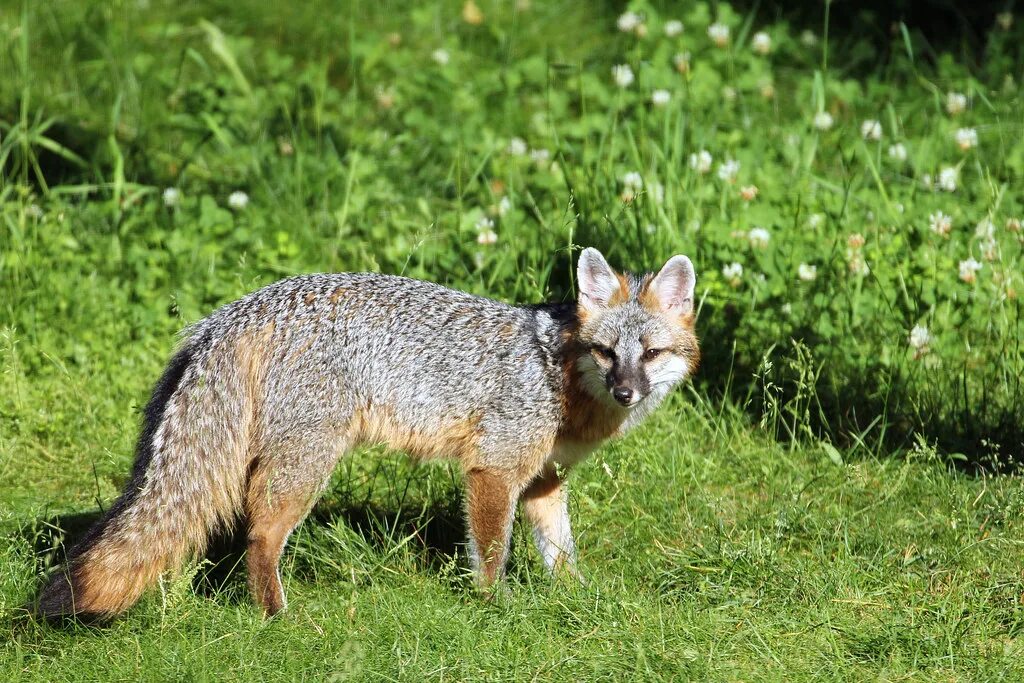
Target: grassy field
pixel 834 497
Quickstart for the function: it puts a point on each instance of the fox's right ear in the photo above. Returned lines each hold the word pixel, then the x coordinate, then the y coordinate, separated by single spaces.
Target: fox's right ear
pixel 597 281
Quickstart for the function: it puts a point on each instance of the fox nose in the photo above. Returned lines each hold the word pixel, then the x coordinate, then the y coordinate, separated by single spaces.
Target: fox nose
pixel 623 395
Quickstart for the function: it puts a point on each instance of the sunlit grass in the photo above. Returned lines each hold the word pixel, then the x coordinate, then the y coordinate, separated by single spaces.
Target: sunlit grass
pixel 798 513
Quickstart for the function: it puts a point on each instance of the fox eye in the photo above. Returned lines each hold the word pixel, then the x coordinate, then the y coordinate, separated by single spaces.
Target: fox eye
pixel 651 354
pixel 604 353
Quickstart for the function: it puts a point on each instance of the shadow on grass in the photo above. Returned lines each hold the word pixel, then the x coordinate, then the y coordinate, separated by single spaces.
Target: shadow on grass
pixel 437 530
pixel 436 533
pixel 864 401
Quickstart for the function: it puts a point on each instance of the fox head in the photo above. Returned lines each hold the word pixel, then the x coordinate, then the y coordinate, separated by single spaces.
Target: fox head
pixel 636 333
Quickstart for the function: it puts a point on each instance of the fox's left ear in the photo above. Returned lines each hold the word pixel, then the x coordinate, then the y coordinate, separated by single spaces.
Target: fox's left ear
pixel 673 286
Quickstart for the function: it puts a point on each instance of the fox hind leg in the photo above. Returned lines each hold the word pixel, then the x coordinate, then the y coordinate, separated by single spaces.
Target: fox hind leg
pixel 269 528
pixel 282 490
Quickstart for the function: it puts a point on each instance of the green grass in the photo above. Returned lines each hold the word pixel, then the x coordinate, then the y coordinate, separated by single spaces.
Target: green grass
pixel 709 551
pixel 798 513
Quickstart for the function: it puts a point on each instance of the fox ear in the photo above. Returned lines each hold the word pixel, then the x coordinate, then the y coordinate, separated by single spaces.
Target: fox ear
pixel 673 286
pixel 597 281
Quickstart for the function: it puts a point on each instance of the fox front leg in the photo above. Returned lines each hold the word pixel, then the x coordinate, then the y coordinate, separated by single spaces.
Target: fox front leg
pixel 490 504
pixel 546 506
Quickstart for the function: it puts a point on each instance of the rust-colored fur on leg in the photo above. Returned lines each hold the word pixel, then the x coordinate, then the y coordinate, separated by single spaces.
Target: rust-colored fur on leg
pixel 283 485
pixel 490 504
pixel 269 527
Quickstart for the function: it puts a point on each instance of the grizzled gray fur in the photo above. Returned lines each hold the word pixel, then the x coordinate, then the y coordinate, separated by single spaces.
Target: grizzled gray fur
pixel 269 391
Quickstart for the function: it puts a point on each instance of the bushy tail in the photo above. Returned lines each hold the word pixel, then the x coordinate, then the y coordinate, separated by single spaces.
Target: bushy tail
pixel 188 479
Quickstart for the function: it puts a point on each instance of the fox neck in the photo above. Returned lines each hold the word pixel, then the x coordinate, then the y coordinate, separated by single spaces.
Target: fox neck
pixel 586 418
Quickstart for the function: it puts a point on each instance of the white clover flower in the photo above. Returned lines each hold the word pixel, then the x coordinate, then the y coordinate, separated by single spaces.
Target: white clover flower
pixel 516 147
pixel 539 120
pixel 748 193
pixel 682 62
pixel 633 181
pixel 172 197
pixel 728 93
pixel 855 257
pixel 719 34
pixel 487 237
pixel 657 192
pixel 701 161
pixel 940 223
pixel 808 38
pixel 540 156
pixel 966 138
pixel 956 102
pixel 673 28
pixel 733 272
pixel 822 120
pixel 898 152
pixel 238 200
pixel 628 22
pixel 1013 224
pixel 484 223
pixel 990 249
pixel 871 130
pixel 767 90
pixel 948 177
pixel 857 264
pixel 761 43
pixel 807 272
pixel 1005 20
pixel 728 170
pixel 504 206
pixel 920 339
pixel 758 237
pixel 815 220
pixel 659 98
pixel 441 56
pixel 622 74
pixel 969 270
pixel 385 97
pixel 985 229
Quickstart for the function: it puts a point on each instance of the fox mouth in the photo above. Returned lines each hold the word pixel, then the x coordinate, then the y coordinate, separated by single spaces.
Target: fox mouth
pixel 627 403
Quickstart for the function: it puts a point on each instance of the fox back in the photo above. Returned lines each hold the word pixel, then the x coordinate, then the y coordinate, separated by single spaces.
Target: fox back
pixel 426 369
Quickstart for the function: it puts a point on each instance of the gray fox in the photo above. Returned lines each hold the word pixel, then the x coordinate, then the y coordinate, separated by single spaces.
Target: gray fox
pixel 264 395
